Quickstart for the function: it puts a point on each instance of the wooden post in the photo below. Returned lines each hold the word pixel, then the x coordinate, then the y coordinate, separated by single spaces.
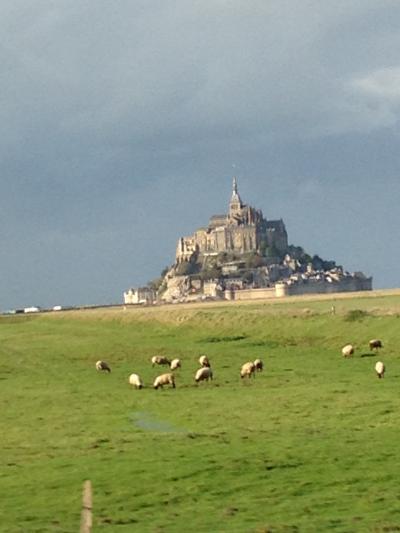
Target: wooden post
pixel 86 516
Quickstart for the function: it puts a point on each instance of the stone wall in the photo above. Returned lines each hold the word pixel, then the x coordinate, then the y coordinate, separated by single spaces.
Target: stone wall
pixel 250 294
pixel 280 290
pixel 350 284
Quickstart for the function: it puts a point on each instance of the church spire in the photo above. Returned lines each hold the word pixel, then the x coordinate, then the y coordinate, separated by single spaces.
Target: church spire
pixel 234 191
pixel 235 198
pixel 235 204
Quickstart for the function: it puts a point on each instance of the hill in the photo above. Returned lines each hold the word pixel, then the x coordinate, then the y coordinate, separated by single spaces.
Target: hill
pixel 309 445
pixel 242 249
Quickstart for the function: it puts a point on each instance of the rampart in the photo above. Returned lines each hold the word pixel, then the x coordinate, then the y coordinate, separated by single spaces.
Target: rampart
pixel 282 289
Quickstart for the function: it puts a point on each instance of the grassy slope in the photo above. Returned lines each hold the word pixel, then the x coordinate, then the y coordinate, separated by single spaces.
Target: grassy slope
pixel 309 445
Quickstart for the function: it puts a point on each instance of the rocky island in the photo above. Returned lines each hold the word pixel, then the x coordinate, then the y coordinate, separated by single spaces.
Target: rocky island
pixel 243 255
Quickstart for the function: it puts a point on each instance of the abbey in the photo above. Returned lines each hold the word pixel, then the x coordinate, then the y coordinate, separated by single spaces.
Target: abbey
pixel 243 229
pixel 242 255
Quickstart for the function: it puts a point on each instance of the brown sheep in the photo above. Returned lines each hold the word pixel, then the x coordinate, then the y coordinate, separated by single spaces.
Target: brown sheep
pixel 259 365
pixel 160 360
pixel 374 344
pixel 102 366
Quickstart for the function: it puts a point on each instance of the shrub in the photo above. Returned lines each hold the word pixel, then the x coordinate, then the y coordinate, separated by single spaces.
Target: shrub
pixel 185 269
pixel 355 314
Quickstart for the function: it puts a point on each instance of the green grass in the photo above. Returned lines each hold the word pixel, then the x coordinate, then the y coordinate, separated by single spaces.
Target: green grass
pixel 311 444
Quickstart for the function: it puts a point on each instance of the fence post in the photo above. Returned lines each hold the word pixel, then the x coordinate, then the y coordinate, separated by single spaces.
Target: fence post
pixel 86 516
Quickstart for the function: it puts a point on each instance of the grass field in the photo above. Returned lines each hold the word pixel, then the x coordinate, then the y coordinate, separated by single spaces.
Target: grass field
pixel 311 444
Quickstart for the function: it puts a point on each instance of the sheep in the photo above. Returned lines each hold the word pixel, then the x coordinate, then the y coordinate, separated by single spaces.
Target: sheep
pixel 348 350
pixel 203 374
pixel 159 360
pixel 175 363
pixel 135 381
pixel 374 344
pixel 204 361
pixel 258 365
pixel 102 366
pixel 380 369
pixel 248 369
pixel 164 379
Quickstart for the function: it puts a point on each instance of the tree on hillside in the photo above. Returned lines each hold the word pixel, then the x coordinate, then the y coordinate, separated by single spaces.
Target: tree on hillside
pixel 272 251
pixel 263 246
pixel 254 261
pixel 321 264
pixel 248 277
pixel 185 268
pixel 210 271
pixel 226 257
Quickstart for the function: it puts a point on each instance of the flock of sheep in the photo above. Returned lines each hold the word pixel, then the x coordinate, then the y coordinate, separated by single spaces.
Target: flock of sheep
pixel 204 373
pixel 374 344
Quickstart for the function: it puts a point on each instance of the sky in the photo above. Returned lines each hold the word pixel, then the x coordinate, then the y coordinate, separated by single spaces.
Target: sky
pixel 122 124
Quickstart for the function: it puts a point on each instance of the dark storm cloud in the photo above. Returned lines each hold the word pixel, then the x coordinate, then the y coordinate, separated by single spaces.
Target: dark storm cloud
pixel 121 124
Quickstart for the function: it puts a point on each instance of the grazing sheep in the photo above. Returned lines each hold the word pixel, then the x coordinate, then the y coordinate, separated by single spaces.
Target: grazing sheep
pixel 258 364
pixel 374 344
pixel 175 363
pixel 380 369
pixel 204 361
pixel 203 374
pixel 164 379
pixel 159 360
pixel 102 366
pixel 135 381
pixel 348 350
pixel 248 369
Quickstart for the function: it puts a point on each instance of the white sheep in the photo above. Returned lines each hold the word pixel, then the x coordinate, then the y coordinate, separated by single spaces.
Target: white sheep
pixel 135 381
pixel 159 360
pixel 175 363
pixel 203 374
pixel 259 365
pixel 374 344
pixel 348 350
pixel 380 369
pixel 164 379
pixel 248 369
pixel 102 366
pixel 204 361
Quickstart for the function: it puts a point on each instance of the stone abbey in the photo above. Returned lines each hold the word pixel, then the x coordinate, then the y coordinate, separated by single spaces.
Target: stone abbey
pixel 243 229
pixel 243 255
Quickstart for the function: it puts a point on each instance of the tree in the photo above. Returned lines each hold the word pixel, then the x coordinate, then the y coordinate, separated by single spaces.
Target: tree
pixel 263 246
pixel 210 272
pixel 321 264
pixel 155 284
pixel 271 251
pixel 185 268
pixel 164 271
pixel 254 261
pixel 248 277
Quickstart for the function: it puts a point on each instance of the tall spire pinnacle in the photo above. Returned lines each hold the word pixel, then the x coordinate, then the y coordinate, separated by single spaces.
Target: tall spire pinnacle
pixel 234 187
pixel 236 203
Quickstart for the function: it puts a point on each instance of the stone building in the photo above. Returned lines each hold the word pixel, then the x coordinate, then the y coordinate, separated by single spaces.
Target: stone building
pixel 141 295
pixel 243 229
